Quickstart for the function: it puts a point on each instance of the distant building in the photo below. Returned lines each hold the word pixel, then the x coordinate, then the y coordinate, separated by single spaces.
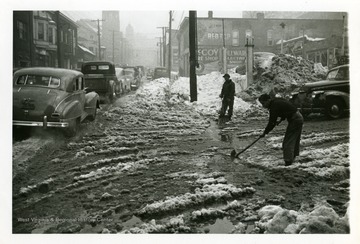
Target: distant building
pixel 111 36
pixel 88 36
pixel 139 49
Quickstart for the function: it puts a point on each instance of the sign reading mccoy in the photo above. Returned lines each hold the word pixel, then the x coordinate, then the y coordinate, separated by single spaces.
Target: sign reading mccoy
pixel 207 55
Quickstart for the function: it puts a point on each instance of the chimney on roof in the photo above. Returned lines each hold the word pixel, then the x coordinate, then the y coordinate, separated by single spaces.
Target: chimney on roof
pixel 210 14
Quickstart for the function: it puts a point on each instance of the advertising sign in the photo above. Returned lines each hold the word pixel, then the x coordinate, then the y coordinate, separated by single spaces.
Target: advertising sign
pixel 213 36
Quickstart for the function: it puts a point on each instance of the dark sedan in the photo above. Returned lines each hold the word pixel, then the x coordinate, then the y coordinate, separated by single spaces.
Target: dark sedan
pixel 52 97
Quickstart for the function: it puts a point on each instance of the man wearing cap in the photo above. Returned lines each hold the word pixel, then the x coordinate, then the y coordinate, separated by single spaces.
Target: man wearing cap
pixel 227 94
pixel 281 108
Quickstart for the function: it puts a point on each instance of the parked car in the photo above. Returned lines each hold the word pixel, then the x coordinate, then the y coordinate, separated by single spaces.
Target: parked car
pixel 52 97
pixel 125 79
pixel 330 96
pixel 149 74
pixel 160 72
pixel 100 77
pixel 131 71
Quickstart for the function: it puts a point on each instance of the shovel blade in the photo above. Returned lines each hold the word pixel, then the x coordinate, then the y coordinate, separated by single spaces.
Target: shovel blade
pixel 233 153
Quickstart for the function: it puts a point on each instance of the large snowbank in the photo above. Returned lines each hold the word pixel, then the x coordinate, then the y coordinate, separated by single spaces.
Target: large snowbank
pixel 321 219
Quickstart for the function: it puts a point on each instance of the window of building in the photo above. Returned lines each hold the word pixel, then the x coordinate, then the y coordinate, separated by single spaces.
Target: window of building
pixel 61 35
pixel 235 38
pixel 270 37
pixel 52 35
pixel 41 31
pixel 21 30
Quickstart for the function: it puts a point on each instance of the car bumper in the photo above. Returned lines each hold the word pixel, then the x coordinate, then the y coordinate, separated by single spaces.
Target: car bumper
pixel 43 123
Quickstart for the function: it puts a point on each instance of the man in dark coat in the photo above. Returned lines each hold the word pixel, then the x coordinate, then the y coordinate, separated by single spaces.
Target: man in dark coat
pixel 282 108
pixel 227 94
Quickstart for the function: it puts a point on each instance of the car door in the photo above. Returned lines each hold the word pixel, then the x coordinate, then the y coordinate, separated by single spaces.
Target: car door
pixel 79 95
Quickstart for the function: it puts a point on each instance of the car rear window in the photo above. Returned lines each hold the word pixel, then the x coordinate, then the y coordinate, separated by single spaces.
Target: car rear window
pixel 98 69
pixel 38 80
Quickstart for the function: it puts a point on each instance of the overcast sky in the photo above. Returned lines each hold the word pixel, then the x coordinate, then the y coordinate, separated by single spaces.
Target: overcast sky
pixel 149 21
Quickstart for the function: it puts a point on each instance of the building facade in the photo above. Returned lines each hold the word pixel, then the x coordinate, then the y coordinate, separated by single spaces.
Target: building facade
pixel 110 36
pixel 44 38
pixel 217 37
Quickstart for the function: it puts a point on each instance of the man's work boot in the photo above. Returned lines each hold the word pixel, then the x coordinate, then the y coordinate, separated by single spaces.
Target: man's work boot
pixel 288 163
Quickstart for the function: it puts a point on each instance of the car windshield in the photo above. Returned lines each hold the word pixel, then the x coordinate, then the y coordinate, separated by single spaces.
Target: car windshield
pixel 38 80
pixel 339 74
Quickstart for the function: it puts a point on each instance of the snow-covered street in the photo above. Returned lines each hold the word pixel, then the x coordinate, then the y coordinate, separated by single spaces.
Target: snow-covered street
pixel 153 162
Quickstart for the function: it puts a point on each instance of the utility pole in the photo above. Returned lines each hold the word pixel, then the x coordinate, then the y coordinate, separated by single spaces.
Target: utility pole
pixel 303 43
pixel 224 49
pixel 98 24
pixel 282 37
pixel 169 54
pixel 163 45
pixel 58 39
pixel 249 60
pixel 113 47
pixel 193 56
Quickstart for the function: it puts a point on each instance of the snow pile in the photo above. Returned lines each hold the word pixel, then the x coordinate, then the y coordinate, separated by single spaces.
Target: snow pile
pixel 119 168
pixel 42 187
pixel 285 73
pixel 206 194
pixel 321 219
pixel 320 70
pixel 328 162
pixel 174 225
pixel 209 88
pixel 214 212
pixel 263 60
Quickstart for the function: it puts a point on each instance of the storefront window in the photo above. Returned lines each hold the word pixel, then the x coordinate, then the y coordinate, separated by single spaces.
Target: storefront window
pixel 41 31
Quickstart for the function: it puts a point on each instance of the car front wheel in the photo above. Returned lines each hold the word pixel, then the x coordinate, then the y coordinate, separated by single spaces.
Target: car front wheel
pixel 334 108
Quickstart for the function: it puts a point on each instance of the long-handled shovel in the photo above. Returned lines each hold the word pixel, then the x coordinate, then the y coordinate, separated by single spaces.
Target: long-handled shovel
pixel 235 155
